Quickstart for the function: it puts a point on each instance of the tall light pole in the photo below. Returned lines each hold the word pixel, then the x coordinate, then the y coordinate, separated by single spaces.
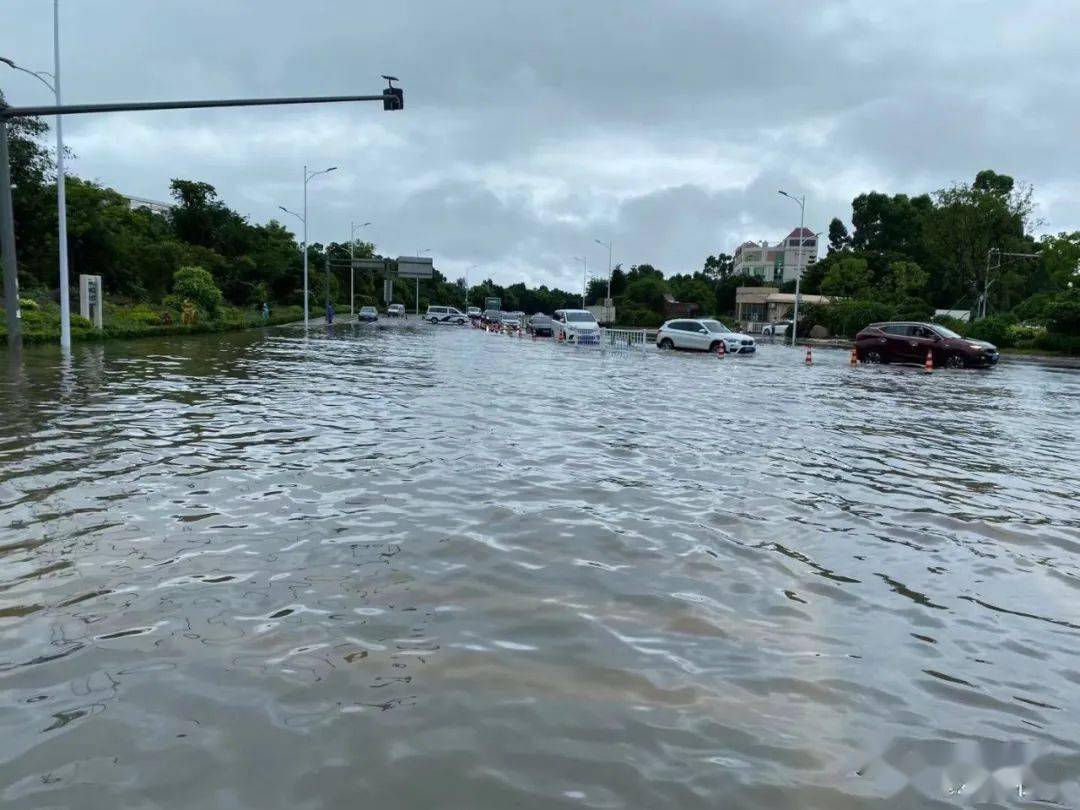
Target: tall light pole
pixel 308 175
pixel 801 202
pixel 608 246
pixel 392 98
pixel 419 253
pixel 61 192
pixel 352 258
pixel 584 276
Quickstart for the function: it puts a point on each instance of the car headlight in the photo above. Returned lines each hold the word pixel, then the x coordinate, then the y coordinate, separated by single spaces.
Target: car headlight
pixel 977 347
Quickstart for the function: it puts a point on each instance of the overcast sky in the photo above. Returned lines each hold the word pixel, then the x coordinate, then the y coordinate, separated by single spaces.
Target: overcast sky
pixel 532 128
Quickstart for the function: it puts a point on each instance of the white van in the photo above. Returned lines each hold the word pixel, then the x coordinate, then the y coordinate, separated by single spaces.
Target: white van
pixel 445 315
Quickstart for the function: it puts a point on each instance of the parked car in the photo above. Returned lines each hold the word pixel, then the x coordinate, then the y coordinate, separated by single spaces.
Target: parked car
pixel 473 312
pixel 540 325
pixel 444 315
pixel 778 329
pixel 367 315
pixel 512 320
pixel 704 334
pixel 576 326
pixel 395 311
pixel 908 342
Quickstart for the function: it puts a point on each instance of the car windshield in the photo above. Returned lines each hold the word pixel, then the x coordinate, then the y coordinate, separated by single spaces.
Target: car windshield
pixel 368 310
pixel 580 317
pixel 715 326
pixel 947 333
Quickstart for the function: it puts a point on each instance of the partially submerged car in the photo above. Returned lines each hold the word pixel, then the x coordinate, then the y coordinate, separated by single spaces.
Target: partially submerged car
pixel 910 341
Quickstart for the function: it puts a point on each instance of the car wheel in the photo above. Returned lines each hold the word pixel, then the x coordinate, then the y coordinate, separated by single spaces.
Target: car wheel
pixel 667 343
pixel 460 322
pixel 873 357
pixel 955 361
pixel 434 321
pixel 715 346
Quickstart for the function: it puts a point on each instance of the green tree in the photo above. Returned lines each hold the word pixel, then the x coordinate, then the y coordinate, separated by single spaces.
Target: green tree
pixel 1061 259
pixel 718 268
pixel 848 278
pixel 618 281
pixel 1063 313
pixel 647 292
pixel 906 280
pixel 838 235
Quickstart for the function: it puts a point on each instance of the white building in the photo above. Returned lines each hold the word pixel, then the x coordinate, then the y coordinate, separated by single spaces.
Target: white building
pixel 776 263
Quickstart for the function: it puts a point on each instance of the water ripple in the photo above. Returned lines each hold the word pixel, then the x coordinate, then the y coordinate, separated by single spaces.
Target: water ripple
pixel 312 566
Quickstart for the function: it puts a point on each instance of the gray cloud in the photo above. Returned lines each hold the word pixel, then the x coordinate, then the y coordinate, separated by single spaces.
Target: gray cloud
pixel 532 128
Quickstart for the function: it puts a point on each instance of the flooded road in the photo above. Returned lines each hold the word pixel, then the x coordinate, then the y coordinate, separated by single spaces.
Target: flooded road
pixel 420 568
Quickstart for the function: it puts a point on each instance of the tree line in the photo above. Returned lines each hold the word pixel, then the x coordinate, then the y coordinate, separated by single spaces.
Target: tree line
pixel 903 257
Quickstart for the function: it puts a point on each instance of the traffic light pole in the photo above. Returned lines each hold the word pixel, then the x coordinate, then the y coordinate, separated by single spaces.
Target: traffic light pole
pixel 392 99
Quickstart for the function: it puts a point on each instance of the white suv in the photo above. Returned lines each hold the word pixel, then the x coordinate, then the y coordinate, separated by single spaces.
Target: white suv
pixel 396 310
pixel 575 326
pixel 704 334
pixel 445 315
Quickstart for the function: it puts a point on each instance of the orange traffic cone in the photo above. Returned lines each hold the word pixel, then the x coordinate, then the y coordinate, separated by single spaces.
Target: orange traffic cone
pixel 809 356
pixel 721 350
pixel 928 366
pixel 854 358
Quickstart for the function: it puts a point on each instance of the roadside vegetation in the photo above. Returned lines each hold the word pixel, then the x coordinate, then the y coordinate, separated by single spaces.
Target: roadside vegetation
pixel 201 266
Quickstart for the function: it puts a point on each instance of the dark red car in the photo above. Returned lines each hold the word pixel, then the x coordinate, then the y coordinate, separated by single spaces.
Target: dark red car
pixel 907 342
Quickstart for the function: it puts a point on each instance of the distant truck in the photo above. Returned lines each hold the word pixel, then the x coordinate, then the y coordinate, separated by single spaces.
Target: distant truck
pixel 604 313
pixel 493 303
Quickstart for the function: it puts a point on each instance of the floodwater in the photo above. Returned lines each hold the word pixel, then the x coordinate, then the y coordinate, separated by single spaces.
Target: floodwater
pixel 433 568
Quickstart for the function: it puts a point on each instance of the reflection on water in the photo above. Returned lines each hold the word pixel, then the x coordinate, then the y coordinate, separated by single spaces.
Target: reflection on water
pixel 436 568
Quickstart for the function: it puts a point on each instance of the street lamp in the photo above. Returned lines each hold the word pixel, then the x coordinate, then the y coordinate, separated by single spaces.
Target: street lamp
pixel 352 258
pixel 801 202
pixel 608 246
pixel 584 276
pixel 308 175
pixel 61 192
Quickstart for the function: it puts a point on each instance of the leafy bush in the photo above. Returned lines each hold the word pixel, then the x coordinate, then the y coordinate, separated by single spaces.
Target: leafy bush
pixel 997 329
pixel 141 315
pixel 197 285
pixel 27 304
pixel 1067 344
pixel 1032 309
pixel 1025 336
pixel 1063 313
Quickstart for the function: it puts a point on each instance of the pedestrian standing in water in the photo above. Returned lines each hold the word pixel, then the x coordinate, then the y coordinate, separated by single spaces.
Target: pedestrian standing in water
pixel 329 313
pixel 266 311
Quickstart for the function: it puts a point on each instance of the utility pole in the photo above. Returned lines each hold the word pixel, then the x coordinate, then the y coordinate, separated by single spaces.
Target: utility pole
pixel 467 269
pixel 392 99
pixel 608 245
pixel 61 193
pixel 984 298
pixel 584 277
pixel 352 257
pixel 801 202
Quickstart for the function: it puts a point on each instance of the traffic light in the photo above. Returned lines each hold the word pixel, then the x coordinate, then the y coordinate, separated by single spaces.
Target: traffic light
pixel 393 98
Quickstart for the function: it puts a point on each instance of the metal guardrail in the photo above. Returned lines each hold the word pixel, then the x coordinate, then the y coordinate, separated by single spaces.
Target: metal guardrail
pixel 623 338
